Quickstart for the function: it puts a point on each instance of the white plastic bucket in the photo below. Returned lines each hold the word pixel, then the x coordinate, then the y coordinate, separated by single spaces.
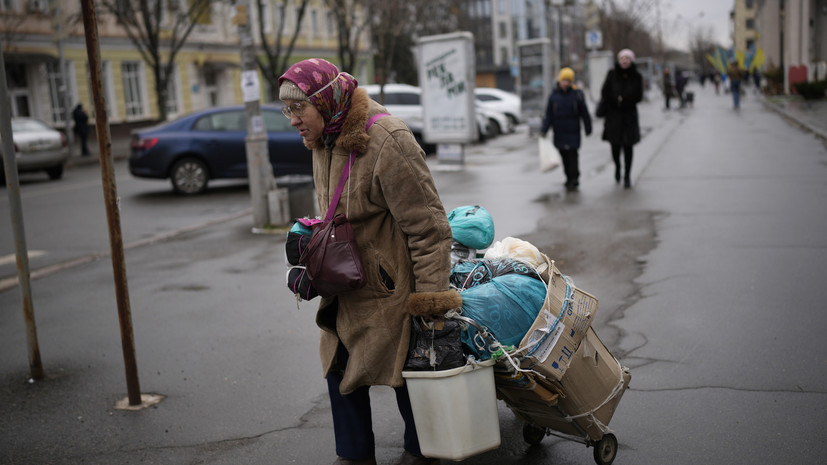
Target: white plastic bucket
pixel 455 410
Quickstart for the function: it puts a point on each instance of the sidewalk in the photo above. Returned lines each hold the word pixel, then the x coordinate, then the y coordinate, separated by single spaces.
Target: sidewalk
pixel 810 114
pixel 119 138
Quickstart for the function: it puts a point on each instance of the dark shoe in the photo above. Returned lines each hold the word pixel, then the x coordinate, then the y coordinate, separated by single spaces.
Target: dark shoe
pixel 627 183
pixel 617 174
pixel 341 461
pixel 409 459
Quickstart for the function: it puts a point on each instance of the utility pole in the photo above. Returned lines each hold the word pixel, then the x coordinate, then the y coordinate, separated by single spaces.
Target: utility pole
pixel 57 18
pixel 259 170
pixel 16 212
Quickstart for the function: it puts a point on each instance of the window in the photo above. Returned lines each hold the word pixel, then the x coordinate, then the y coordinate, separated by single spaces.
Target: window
pixel 9 5
pixel 503 30
pixel 750 4
pixel 223 121
pixel 173 92
pixel 750 23
pixel 314 20
pixel 57 90
pixel 132 88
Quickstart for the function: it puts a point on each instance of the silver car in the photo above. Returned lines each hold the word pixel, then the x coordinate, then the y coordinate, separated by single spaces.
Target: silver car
pixel 37 147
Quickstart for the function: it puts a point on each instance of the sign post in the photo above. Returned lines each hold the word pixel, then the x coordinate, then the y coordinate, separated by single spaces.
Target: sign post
pixel 534 85
pixel 446 73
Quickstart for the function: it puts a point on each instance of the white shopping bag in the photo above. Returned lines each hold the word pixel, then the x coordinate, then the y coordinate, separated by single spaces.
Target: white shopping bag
pixel 549 158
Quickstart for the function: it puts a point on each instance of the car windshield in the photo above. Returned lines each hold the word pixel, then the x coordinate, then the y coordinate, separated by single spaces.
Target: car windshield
pixel 28 125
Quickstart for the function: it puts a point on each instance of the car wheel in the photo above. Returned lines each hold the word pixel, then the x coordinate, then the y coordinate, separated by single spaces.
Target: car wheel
pixel 55 172
pixel 189 176
pixel 494 126
pixel 513 119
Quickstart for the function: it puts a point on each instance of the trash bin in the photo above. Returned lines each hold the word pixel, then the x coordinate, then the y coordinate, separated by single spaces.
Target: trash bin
pixel 301 194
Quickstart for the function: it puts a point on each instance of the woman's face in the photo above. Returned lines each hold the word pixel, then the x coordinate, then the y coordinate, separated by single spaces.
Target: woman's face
pixel 306 118
pixel 565 84
pixel 625 61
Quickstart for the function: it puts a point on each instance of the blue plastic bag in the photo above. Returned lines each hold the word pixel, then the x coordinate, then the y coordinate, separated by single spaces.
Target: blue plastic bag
pixel 472 226
pixel 507 305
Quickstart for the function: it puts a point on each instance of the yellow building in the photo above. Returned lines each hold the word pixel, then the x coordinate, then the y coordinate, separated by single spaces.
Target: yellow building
pixel 206 71
pixel 744 31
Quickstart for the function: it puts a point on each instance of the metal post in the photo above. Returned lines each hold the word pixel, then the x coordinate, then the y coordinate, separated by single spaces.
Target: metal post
pixel 57 12
pixel 259 170
pixel 110 192
pixel 16 212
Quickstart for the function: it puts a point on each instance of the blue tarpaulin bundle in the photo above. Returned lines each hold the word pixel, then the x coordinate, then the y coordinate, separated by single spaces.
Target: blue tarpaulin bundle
pixel 472 226
pixel 507 305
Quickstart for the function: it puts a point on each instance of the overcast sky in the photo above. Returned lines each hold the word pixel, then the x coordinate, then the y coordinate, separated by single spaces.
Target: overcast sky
pixel 679 16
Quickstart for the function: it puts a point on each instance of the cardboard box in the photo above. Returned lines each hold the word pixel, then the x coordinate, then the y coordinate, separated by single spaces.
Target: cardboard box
pixel 554 337
pixel 593 386
pixel 589 394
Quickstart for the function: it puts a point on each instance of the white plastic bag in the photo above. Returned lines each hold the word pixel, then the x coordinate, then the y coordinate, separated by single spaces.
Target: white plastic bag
pixel 549 158
pixel 526 252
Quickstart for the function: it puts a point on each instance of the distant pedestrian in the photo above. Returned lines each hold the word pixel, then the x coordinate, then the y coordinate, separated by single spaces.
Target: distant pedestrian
pixel 756 77
pixel 565 108
pixel 716 79
pixel 81 127
pixel 680 87
pixel 622 91
pixel 668 89
pixel 735 75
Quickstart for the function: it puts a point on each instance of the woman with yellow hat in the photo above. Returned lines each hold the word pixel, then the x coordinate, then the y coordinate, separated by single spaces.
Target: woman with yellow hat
pixel 566 107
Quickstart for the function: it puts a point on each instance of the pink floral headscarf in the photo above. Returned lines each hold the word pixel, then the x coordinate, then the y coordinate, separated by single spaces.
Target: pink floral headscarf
pixel 327 89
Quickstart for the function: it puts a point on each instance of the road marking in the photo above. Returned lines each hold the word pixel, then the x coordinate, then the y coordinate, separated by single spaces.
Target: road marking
pixel 12 257
pixel 11 282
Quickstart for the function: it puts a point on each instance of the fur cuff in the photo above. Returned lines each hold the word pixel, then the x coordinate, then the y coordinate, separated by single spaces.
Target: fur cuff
pixel 433 303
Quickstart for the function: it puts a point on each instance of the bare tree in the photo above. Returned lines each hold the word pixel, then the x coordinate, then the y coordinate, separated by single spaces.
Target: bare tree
pixel 277 54
pixel 10 29
pixel 352 17
pixel 701 44
pixel 158 29
pixel 626 25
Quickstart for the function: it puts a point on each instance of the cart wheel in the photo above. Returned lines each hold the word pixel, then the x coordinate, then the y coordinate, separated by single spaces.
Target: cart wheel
pixel 533 434
pixel 605 451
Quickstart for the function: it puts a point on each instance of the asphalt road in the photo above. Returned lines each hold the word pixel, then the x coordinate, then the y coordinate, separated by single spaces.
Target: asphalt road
pixel 708 271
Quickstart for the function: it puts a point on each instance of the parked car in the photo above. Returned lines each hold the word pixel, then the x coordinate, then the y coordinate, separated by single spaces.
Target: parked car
pixel 405 101
pixel 501 101
pixel 37 147
pixel 209 144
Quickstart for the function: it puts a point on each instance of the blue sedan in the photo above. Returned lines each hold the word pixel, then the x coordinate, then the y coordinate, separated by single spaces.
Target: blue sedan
pixel 209 144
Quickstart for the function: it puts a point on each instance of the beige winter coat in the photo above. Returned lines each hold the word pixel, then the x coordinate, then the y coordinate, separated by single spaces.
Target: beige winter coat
pixel 403 234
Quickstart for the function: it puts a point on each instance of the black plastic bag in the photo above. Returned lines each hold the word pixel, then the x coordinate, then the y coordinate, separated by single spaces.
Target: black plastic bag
pixel 443 344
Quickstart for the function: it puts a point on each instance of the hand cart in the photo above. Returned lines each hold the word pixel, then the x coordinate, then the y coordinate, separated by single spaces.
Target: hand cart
pixel 541 403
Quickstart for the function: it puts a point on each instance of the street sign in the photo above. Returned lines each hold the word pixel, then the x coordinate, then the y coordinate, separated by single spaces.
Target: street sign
pixel 594 39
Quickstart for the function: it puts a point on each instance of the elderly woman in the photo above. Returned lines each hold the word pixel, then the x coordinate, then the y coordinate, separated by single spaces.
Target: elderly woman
pixel 621 92
pixel 403 236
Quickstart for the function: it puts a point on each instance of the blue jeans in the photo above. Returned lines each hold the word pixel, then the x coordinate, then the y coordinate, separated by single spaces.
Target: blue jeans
pixel 735 87
pixel 352 422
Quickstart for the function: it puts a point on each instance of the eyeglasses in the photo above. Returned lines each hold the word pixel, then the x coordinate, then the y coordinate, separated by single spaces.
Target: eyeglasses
pixel 296 109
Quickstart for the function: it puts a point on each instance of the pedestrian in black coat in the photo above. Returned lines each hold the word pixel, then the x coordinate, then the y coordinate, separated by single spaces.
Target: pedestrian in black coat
pixel 565 108
pixel 621 92
pixel 81 127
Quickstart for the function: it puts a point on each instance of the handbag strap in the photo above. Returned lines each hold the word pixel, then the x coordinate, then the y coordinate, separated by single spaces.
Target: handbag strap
pixel 334 202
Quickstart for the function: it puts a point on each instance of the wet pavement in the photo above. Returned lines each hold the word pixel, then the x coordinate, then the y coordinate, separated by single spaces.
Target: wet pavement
pixel 709 274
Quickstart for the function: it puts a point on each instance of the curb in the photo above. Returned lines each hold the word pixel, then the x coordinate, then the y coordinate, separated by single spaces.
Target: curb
pixel 821 133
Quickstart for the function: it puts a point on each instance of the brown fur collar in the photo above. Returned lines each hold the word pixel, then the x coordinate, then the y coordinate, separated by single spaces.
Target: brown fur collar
pixel 353 135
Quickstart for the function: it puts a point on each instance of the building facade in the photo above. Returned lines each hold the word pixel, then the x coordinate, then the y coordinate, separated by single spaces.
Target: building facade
pixel 206 71
pixel 793 35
